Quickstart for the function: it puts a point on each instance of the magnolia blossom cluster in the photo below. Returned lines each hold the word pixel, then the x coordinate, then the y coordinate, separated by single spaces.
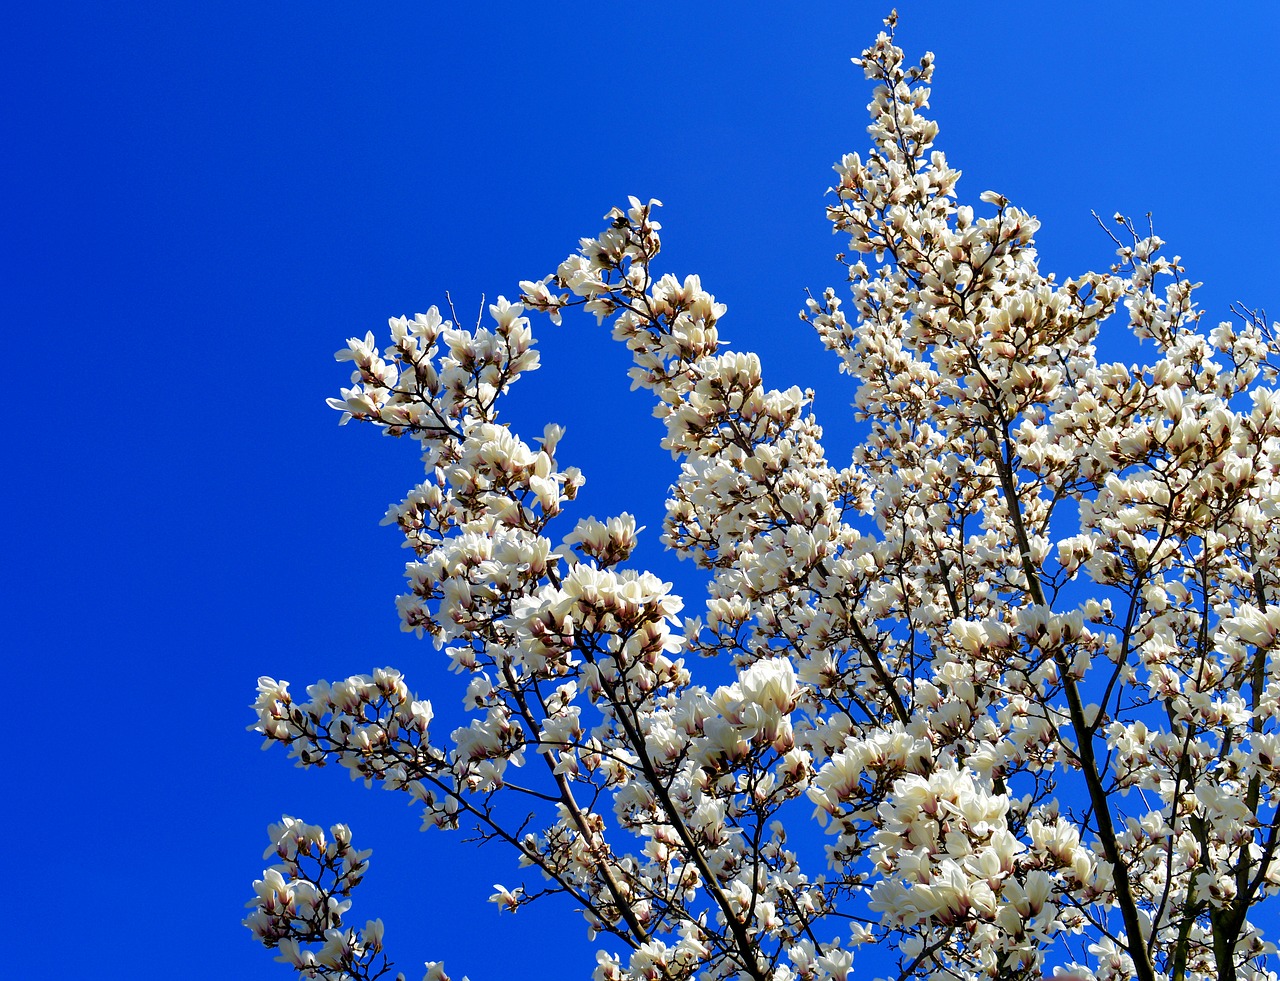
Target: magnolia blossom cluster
pixel 302 899
pixel 1014 664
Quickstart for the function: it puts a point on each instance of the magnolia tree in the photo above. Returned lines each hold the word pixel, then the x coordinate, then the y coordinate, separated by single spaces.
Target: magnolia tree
pixel 1019 658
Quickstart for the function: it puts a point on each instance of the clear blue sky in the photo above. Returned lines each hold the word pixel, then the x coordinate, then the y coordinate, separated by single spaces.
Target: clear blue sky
pixel 205 200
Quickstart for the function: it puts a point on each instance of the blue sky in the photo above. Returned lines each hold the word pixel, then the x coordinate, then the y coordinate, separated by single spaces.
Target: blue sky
pixel 206 200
